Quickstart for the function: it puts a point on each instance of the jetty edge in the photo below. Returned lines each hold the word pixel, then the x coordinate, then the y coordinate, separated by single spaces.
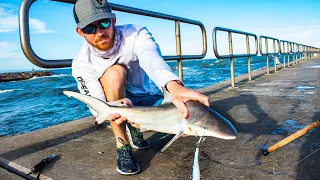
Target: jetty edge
pixel 17 76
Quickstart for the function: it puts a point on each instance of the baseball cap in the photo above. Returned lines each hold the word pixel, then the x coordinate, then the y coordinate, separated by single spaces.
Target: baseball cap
pixel 88 11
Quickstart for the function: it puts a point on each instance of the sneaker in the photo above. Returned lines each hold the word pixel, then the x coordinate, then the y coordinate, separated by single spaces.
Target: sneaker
pixel 126 164
pixel 136 138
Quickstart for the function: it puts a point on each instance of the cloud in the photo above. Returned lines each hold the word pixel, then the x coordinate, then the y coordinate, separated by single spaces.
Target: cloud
pixel 9 24
pixel 6 9
pixel 12 58
pixel 8 50
pixel 9 21
pixel 306 34
pixel 39 27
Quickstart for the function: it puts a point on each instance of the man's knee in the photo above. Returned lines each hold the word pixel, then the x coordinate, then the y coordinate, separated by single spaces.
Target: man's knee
pixel 114 75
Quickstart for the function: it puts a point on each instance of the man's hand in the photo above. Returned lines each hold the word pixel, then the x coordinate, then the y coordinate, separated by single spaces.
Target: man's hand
pixel 117 117
pixel 181 94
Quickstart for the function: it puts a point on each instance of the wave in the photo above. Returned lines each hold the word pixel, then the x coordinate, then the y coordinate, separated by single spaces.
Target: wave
pixel 55 75
pixel 304 87
pixel 60 75
pixel 9 90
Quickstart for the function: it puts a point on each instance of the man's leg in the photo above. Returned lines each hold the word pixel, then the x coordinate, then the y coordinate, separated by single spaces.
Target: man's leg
pixel 113 82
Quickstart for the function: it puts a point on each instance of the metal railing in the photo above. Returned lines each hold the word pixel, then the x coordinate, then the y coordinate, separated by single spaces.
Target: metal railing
pixel 293 52
pixel 231 54
pixel 32 56
pixel 305 52
pixel 266 38
pixel 283 52
pixel 309 51
pixel 313 51
pixel 300 52
pixel 297 54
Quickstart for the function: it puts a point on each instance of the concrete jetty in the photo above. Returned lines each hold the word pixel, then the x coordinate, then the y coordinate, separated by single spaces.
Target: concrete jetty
pixel 264 111
pixel 16 76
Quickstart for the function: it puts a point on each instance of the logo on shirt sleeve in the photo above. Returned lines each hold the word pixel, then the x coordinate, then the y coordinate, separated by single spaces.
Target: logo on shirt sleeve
pixel 83 85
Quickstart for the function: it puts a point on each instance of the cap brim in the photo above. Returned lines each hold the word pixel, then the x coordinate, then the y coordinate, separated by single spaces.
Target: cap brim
pixel 94 18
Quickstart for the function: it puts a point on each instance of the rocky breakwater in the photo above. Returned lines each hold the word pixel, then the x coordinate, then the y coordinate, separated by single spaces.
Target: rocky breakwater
pixel 16 76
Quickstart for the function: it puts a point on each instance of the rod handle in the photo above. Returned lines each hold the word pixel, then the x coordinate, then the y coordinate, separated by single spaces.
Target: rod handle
pixel 291 138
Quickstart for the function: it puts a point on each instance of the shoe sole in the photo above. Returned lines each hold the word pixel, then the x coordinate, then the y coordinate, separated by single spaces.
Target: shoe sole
pixel 131 141
pixel 131 173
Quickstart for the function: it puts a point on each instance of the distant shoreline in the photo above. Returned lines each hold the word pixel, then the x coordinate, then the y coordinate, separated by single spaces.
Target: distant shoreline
pixel 17 76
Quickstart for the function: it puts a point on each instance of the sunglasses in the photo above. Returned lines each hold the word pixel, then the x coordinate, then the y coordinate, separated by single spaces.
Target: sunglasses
pixel 91 28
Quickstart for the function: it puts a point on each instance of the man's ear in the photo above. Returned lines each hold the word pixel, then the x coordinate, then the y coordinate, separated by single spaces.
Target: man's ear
pixel 114 20
pixel 79 31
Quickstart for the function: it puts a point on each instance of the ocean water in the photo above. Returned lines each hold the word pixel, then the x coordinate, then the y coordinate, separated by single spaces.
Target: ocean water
pixel 38 103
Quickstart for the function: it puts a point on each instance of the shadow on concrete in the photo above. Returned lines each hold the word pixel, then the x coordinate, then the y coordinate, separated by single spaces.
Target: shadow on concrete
pixel 263 124
pixel 157 142
pixel 24 151
pixel 243 79
pixel 306 170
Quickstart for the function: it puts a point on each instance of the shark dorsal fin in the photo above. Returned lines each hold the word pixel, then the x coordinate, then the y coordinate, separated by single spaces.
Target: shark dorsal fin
pixel 171 141
pixel 166 97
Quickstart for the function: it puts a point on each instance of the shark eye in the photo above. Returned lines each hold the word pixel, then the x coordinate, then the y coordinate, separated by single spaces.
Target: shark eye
pixel 190 129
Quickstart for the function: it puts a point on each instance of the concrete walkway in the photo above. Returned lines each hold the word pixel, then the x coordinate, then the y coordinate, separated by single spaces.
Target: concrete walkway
pixel 264 111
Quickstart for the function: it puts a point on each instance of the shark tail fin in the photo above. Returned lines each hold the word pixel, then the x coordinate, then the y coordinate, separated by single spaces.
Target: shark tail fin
pixel 82 97
pixel 95 104
pixel 171 141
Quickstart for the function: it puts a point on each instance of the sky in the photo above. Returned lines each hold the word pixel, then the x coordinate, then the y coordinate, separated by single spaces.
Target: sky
pixel 53 35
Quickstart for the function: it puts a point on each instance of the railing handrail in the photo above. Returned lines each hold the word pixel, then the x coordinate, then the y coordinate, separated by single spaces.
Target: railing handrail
pixel 289 49
pixel 293 48
pixel 299 48
pixel 231 55
pixel 266 46
pixel 32 56
pixel 25 40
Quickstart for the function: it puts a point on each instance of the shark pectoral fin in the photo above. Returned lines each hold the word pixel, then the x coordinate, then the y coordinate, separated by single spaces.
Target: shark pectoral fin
pixel 100 119
pixel 143 128
pixel 171 141
pixel 166 97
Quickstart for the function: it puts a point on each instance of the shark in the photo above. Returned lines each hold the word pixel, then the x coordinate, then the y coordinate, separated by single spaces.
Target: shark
pixel 166 118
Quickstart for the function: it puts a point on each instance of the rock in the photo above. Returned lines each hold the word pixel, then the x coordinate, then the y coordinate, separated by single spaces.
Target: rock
pixel 16 76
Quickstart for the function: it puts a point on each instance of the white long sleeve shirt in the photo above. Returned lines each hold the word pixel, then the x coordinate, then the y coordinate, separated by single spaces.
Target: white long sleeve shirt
pixel 138 53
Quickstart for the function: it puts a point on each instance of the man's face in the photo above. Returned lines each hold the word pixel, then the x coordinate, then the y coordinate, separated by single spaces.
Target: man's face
pixel 101 39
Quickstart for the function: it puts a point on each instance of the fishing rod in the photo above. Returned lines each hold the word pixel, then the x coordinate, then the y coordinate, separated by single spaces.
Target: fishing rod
pixel 15 169
pixel 291 138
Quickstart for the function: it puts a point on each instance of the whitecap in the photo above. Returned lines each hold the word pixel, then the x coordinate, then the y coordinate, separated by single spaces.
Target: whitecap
pixel 8 90
pixel 59 75
pixel 55 75
pixel 304 87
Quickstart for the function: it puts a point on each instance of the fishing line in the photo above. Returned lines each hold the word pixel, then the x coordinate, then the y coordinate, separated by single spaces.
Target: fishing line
pixel 295 163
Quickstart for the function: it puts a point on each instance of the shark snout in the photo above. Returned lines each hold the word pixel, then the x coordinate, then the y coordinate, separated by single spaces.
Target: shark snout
pixel 230 135
pixel 228 131
pixel 215 126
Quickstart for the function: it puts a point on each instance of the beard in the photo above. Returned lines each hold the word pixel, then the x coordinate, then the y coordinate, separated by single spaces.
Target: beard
pixel 103 42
